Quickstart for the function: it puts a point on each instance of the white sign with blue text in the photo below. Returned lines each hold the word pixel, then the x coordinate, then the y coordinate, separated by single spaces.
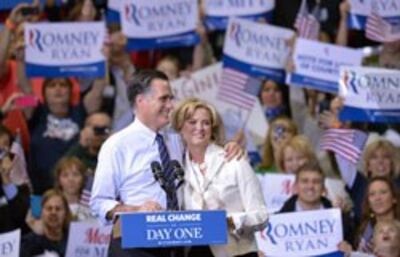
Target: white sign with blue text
pixel 159 23
pixel 305 233
pixel 218 11
pixel 10 243
pixel 317 65
pixel 88 239
pixel 370 94
pixel 388 9
pixel 177 228
pixel 361 9
pixel 65 49
pixel 257 49
pixel 277 189
pixel 357 18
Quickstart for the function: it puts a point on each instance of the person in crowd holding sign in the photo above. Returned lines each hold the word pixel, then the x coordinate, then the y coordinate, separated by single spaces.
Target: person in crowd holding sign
pixel 55 125
pixel 123 179
pixel 14 198
pixel 310 188
pixel 56 219
pixel 280 131
pixel 214 183
pixel 13 67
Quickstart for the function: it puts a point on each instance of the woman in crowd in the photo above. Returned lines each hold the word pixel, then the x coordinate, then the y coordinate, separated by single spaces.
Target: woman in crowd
pixel 294 154
pixel 272 99
pixel 56 219
pixel 381 203
pixel 379 161
pixel 280 131
pixel 70 174
pixel 213 183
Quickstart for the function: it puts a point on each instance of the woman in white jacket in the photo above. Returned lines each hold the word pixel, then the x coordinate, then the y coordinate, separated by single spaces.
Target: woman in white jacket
pixel 213 183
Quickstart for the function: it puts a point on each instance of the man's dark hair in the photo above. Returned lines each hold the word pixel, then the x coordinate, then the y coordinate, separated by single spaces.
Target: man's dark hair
pixel 141 82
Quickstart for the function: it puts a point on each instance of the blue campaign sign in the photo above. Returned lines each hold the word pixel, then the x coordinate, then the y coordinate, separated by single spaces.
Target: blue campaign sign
pixel 10 4
pixel 178 228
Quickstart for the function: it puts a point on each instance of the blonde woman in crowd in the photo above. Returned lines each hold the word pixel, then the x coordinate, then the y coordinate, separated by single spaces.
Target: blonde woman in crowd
pixel 213 183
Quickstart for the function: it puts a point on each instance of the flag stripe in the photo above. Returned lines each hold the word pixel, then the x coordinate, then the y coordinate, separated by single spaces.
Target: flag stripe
pixel 306 24
pixel 234 89
pixel 347 143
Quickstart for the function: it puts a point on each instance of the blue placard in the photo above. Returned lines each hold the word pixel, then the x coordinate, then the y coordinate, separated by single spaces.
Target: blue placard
pixel 221 23
pixel 10 4
pixel 178 228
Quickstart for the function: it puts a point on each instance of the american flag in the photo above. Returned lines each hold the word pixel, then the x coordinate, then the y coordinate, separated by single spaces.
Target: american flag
pixel 346 143
pixel 306 24
pixel 380 30
pixel 376 27
pixel 86 192
pixel 238 88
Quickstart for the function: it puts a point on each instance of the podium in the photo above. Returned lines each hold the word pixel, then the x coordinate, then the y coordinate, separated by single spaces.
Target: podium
pixel 173 228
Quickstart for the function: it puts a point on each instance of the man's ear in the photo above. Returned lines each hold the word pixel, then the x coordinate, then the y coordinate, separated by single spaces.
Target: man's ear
pixel 139 99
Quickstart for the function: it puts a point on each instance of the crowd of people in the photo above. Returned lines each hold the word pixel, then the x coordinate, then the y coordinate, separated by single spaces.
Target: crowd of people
pixel 100 136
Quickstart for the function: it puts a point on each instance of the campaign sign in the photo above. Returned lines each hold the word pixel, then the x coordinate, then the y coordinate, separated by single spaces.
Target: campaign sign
pixel 305 233
pixel 177 228
pixel 257 49
pixel 65 49
pixel 388 9
pixel 277 188
pixel 10 4
pixel 217 12
pixel 317 65
pixel 113 9
pixel 370 94
pixel 357 18
pixel 88 239
pixel 159 23
pixel 10 243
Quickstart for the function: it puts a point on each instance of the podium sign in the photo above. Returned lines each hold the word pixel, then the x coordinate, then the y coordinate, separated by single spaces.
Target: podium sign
pixel 178 228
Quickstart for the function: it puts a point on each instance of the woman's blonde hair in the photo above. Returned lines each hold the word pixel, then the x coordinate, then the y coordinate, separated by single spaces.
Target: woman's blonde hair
pixel 185 111
pixel 268 153
pixel 375 146
pixel 298 143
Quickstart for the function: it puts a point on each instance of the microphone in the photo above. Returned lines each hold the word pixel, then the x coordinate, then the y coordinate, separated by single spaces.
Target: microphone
pixel 178 171
pixel 159 174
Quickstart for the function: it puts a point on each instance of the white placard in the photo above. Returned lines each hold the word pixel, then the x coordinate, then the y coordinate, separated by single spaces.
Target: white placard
pixel 88 239
pixel 370 94
pixel 317 65
pixel 257 48
pixel 10 243
pixel 306 233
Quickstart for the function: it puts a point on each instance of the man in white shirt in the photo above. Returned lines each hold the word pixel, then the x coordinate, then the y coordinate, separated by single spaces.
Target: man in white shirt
pixel 123 179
